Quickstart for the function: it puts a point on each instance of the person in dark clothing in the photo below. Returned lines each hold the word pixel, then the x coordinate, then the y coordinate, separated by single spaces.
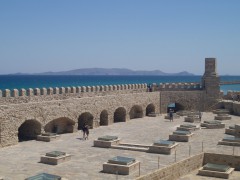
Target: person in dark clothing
pixel 85 130
pixel 200 116
pixel 171 115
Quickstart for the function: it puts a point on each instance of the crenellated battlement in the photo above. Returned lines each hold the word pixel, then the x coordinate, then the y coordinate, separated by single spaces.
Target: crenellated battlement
pixel 59 93
pixel 177 86
pixel 30 92
pixel 232 95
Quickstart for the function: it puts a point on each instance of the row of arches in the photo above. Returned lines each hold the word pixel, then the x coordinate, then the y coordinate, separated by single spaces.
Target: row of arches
pixel 31 128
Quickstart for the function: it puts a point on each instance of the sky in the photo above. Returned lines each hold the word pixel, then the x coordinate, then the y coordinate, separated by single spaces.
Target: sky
pixel 168 35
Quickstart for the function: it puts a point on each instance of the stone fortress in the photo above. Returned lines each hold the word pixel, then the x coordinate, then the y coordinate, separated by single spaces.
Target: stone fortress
pixel 24 114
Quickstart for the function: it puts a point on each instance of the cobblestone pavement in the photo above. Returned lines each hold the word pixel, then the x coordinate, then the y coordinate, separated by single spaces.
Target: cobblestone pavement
pixel 22 160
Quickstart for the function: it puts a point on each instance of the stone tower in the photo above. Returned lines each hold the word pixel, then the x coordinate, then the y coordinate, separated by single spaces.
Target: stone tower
pixel 210 84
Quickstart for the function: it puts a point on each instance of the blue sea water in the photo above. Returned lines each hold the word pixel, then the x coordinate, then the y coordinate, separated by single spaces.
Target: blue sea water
pixel 36 81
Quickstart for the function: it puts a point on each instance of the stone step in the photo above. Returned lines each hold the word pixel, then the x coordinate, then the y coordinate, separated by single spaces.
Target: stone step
pixel 131 148
pixel 134 145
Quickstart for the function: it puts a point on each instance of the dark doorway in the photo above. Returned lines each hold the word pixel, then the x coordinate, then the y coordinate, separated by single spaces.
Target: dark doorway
pixel 60 126
pixel 136 112
pixel 150 109
pixel 175 107
pixel 120 115
pixel 29 130
pixel 104 118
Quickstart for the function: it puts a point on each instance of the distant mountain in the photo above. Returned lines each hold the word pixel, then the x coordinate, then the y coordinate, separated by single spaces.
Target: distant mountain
pixel 113 71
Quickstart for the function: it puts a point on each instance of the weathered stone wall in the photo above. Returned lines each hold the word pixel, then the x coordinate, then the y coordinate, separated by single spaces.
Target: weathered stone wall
pixel 186 166
pixel 190 100
pixel 232 106
pixel 13 115
pixel 176 170
pixel 232 95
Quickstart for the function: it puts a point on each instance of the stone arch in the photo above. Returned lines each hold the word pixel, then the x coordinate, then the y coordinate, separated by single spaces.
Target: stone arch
pixel 136 112
pixel 150 109
pixel 120 115
pixel 175 107
pixel 87 118
pixel 104 118
pixel 179 107
pixel 29 130
pixel 60 126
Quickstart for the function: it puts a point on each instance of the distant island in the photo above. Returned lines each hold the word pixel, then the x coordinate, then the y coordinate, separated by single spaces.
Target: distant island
pixel 110 71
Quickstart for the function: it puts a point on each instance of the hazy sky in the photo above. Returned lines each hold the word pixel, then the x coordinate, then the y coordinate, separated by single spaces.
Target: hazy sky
pixel 169 35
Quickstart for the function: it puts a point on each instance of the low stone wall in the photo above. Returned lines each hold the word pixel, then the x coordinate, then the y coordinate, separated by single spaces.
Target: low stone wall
pixel 176 170
pixel 233 107
pixel 232 161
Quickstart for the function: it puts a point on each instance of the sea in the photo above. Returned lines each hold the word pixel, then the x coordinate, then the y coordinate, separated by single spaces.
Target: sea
pixel 40 81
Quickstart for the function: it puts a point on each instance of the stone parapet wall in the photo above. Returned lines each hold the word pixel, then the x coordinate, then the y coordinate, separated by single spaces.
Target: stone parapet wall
pixel 176 170
pixel 13 115
pixel 231 95
pixel 177 86
pixel 16 96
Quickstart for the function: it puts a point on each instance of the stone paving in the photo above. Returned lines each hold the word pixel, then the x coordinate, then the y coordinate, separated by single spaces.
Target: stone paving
pixel 22 160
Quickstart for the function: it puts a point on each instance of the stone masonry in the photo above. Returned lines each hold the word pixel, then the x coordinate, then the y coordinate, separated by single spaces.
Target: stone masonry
pixel 24 114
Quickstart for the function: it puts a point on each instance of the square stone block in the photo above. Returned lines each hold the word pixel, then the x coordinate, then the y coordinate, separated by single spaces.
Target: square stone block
pixel 162 149
pixel 44 176
pixel 47 159
pixel 48 138
pixel 192 119
pixel 216 174
pixel 180 138
pixel 230 131
pixel 237 130
pixel 222 117
pixel 213 124
pixel 120 169
pixel 105 144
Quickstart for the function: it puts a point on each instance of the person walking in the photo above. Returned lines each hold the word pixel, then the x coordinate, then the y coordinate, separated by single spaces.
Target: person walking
pixel 85 130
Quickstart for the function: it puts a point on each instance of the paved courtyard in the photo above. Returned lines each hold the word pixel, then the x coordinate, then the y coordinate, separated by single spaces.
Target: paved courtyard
pixel 21 161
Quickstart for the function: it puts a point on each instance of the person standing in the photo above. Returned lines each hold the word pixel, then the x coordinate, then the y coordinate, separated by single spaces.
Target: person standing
pixel 171 115
pixel 200 116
